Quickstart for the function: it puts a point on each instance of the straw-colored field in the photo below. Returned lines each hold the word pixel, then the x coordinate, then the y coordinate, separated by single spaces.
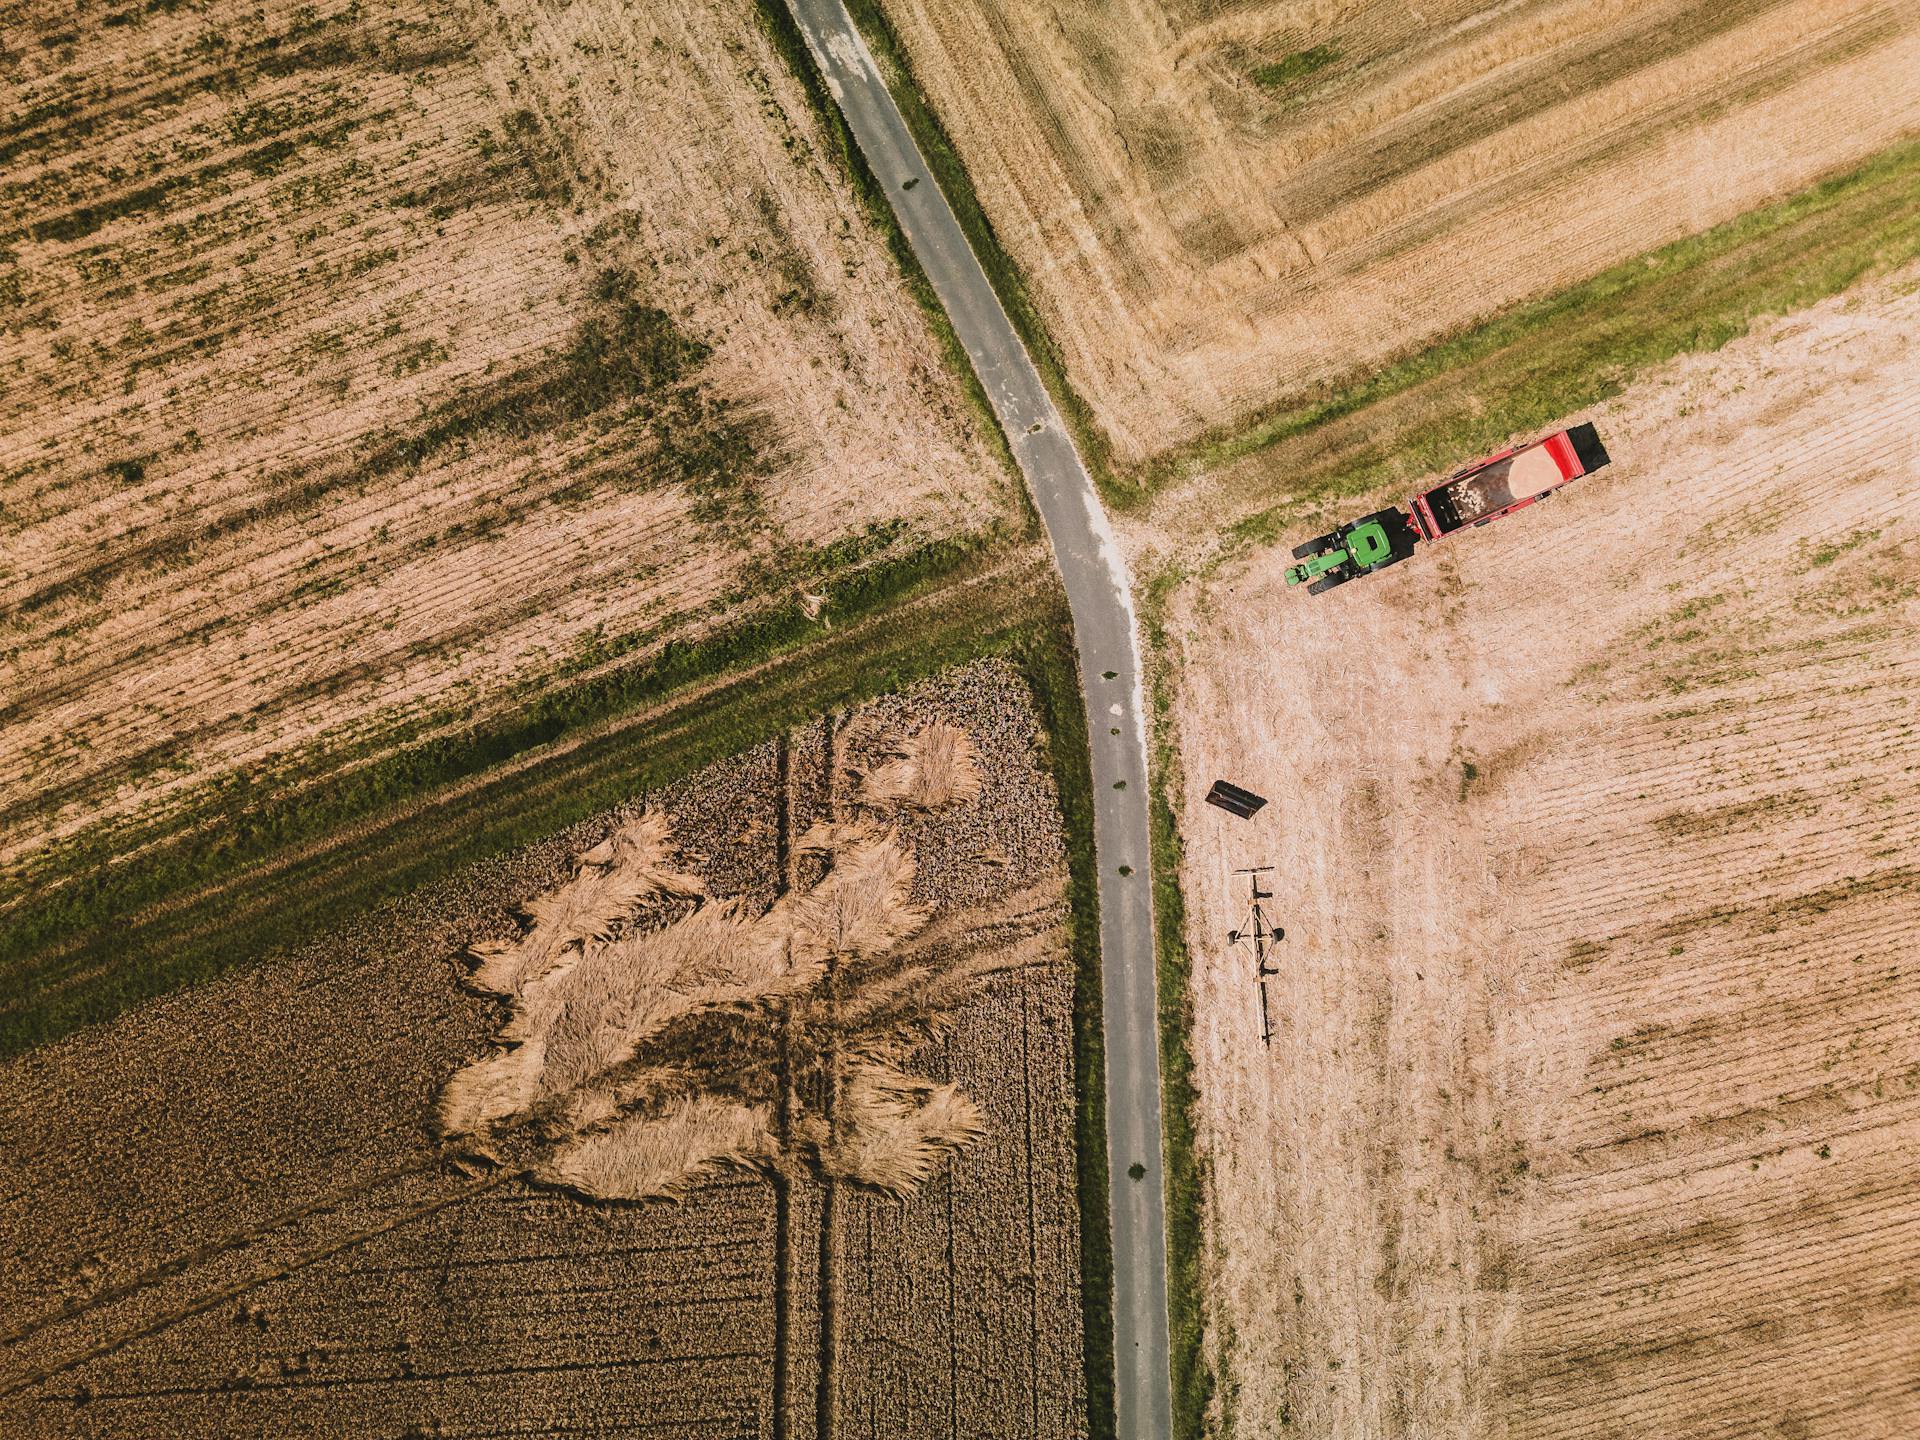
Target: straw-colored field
pixel 835 1020
pixel 365 371
pixel 1221 203
pixel 1594 1103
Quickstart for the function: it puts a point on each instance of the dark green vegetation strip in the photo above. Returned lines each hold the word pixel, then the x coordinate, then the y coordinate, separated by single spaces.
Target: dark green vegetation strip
pixel 283 866
pixel 1193 1379
pixel 1285 73
pixel 1002 273
pixel 1580 347
pixel 1050 662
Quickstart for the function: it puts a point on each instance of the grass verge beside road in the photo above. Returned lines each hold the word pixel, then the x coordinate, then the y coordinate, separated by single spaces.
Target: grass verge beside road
pixel 1193 1378
pixel 1543 361
pixel 1001 271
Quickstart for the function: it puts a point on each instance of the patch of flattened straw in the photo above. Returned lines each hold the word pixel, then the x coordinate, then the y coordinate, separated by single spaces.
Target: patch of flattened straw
pixel 615 877
pixel 893 1132
pixel 651 1155
pixel 643 1055
pixel 935 767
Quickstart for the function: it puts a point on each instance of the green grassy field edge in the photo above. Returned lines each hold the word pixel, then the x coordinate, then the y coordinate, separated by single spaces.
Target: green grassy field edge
pixel 121 932
pixel 1585 344
pixel 1193 1380
pixel 1002 273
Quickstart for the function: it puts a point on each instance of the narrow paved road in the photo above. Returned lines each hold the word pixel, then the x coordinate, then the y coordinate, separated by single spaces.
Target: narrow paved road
pixel 1095 576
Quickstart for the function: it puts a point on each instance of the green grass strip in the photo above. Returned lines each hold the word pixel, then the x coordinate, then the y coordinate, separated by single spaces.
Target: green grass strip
pixel 1193 1380
pixel 284 866
pixel 1584 345
pixel 1290 70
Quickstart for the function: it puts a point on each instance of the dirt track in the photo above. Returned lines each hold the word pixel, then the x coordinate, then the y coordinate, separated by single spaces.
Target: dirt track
pixel 1200 243
pixel 1595 1097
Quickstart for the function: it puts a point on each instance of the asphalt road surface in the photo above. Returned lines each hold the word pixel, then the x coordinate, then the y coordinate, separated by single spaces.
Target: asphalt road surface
pixel 1095 576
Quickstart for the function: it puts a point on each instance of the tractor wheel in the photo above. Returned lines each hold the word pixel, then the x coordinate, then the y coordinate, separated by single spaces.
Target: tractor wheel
pixel 1311 547
pixel 1327 582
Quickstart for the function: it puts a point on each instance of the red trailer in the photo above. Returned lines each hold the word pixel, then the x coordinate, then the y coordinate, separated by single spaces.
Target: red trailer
pixel 1509 481
pixel 1485 490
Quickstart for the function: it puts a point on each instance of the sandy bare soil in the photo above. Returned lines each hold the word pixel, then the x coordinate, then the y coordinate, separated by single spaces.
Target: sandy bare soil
pixel 1221 204
pixel 224 1214
pixel 1594 1102
pixel 364 370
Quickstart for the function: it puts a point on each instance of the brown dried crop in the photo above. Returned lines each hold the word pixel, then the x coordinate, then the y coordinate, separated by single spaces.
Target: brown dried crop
pixel 269 1125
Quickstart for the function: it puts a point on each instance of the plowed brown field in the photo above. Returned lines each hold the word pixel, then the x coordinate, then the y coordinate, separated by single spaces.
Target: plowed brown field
pixel 223 1214
pixel 1594 1100
pixel 364 370
pixel 1221 203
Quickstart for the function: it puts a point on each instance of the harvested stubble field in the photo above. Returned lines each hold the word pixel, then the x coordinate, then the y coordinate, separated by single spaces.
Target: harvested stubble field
pixel 366 372
pixel 1594 1102
pixel 1219 205
pixel 254 1233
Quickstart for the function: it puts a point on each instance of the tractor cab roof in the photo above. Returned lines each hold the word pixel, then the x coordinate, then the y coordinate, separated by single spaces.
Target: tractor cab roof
pixel 1383 538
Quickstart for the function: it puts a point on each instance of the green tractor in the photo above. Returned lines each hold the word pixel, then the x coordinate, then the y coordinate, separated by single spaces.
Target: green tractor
pixel 1358 548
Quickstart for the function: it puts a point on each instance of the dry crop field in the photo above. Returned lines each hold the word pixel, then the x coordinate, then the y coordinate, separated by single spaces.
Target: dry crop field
pixel 818 993
pixel 1220 204
pixel 1594 1103
pixel 366 371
